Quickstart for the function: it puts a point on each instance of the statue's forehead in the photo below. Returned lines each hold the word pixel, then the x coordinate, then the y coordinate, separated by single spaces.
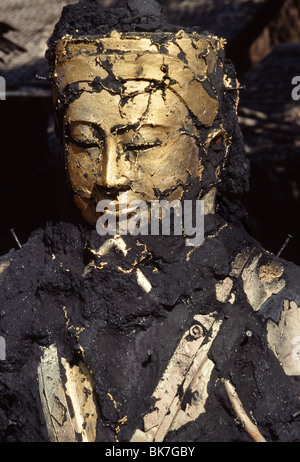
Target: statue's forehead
pixel 104 109
pixel 183 62
pixel 192 45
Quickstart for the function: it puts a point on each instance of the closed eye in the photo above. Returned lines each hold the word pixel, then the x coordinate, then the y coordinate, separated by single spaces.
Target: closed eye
pixel 141 146
pixel 86 144
pixel 85 135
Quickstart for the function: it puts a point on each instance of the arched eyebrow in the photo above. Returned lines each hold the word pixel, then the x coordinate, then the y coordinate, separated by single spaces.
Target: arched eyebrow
pixel 120 129
pixel 73 89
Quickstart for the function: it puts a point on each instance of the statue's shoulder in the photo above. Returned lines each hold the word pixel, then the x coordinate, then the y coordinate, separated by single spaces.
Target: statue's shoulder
pixel 266 280
pixel 19 266
pixel 272 288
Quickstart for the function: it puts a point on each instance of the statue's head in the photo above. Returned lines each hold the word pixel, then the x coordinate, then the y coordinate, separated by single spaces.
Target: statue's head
pixel 140 107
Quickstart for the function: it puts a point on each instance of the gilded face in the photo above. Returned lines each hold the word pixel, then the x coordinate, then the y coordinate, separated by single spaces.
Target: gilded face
pixel 127 123
pixel 144 146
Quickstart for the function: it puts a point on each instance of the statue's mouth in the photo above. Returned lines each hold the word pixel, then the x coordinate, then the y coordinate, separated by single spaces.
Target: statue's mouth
pixel 119 211
pixel 117 203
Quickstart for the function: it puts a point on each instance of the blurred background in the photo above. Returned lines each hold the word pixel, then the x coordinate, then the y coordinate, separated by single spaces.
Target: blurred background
pixel 263 41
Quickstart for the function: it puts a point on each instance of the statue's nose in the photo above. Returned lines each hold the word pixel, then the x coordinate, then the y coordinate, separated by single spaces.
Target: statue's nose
pixel 115 168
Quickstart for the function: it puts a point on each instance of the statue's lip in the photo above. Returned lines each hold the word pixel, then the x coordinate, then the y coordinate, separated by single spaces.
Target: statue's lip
pixel 123 213
pixel 117 208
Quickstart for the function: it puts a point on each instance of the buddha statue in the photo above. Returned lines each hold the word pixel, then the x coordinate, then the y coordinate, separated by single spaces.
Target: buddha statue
pixel 138 336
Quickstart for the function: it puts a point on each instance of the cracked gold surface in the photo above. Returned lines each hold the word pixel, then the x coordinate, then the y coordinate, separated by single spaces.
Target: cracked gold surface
pixel 121 421
pixel 68 401
pixel 284 337
pixel 260 282
pixel 129 121
pixel 189 368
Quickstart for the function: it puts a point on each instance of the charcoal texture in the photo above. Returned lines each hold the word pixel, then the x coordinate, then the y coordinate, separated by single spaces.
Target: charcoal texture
pixel 129 336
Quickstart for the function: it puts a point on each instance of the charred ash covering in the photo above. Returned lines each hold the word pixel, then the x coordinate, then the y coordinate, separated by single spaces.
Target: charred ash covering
pixel 125 336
